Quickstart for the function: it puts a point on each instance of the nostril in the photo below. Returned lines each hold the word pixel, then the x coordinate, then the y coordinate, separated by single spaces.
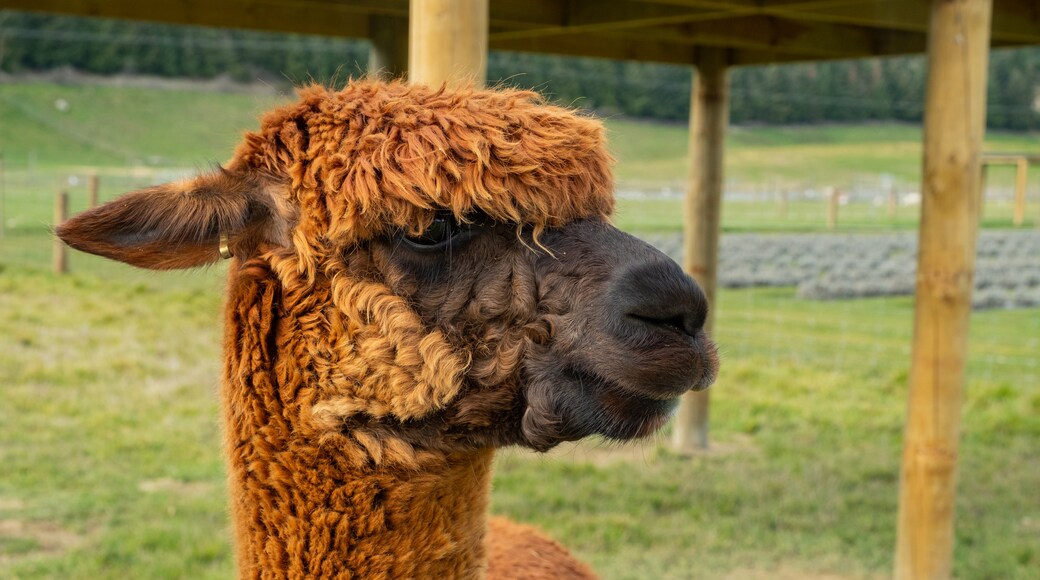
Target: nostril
pixel 657 295
pixel 680 323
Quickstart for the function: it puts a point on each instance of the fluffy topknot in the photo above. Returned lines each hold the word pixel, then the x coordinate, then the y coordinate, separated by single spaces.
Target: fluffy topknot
pixel 375 156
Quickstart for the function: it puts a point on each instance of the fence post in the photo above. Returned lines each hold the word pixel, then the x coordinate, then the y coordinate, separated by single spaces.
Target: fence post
pixel 1021 168
pixel 3 195
pixel 893 201
pixel 93 184
pixel 781 200
pixel 833 193
pixel 709 117
pixel 954 126
pixel 983 177
pixel 59 259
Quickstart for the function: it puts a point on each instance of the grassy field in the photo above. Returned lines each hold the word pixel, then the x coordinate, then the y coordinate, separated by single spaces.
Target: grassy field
pixel 109 432
pixel 112 126
pixel 112 467
pixel 115 131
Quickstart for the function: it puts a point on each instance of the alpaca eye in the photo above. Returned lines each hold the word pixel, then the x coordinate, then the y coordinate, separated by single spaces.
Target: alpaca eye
pixel 441 233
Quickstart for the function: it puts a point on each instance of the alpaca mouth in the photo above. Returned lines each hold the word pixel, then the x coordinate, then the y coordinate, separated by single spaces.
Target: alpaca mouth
pixel 623 413
pixel 632 415
pixel 662 365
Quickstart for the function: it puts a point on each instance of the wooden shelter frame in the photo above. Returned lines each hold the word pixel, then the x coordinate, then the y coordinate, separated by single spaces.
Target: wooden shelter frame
pixel 448 41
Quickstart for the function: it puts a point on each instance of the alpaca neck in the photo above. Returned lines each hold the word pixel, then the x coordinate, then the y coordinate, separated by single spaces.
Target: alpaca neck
pixel 301 512
pixel 309 502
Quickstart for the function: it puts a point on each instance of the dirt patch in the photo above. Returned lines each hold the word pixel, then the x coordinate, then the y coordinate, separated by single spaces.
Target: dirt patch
pixel 739 445
pixel 784 573
pixel 10 504
pixel 175 487
pixel 603 453
pixel 47 538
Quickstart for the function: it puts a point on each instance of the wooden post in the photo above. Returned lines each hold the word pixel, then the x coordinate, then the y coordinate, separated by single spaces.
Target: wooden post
pixel 782 203
pixel 833 194
pixel 59 258
pixel 3 195
pixel 983 177
pixel 893 201
pixel 709 115
pixel 954 124
pixel 388 56
pixel 447 42
pixel 93 184
pixel 1021 169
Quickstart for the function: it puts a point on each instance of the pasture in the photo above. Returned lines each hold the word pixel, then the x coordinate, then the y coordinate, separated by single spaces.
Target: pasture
pixel 110 437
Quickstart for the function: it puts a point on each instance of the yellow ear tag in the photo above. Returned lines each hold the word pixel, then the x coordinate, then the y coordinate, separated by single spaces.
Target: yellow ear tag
pixel 225 248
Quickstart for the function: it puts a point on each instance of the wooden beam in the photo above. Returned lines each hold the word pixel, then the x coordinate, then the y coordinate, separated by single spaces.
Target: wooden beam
pixel 625 47
pixel 1014 22
pixel 613 15
pixel 752 57
pixel 598 46
pixel 759 31
pixel 448 42
pixel 669 47
pixel 709 115
pixel 954 126
pixel 777 35
pixel 527 13
pixel 388 57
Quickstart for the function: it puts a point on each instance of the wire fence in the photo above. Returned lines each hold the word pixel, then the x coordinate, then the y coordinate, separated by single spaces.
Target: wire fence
pixel 814 272
pixel 853 265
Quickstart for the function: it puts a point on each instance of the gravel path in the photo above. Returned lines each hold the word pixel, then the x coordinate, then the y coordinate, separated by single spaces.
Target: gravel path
pixel 841 266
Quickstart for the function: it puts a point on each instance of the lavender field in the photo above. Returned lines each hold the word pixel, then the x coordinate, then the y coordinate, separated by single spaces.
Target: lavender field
pixel 844 266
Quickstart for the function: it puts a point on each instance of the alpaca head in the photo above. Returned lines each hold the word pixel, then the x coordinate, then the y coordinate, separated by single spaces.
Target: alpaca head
pixel 448 266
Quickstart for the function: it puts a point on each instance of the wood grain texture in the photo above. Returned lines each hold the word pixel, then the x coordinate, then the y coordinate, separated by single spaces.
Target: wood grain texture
pixel 709 116
pixel 953 132
pixel 448 42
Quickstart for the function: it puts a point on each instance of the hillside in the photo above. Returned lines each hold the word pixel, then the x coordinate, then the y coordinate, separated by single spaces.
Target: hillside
pixel 55 126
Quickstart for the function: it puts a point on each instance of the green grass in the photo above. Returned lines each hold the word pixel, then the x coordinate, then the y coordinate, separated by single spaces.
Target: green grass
pixel 654 154
pixel 666 215
pixel 118 126
pixel 112 129
pixel 109 433
pixel 110 443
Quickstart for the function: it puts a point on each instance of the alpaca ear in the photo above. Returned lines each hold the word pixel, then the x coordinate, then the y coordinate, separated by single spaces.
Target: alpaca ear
pixel 181 224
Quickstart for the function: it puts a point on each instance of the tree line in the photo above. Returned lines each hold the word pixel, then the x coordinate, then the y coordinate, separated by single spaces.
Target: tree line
pixel 878 89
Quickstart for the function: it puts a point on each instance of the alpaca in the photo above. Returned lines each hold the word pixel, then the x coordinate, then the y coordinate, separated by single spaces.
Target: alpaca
pixel 417 277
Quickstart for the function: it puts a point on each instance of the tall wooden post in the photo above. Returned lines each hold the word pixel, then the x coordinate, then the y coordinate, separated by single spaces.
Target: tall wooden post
pixel 833 199
pixel 447 42
pixel 954 124
pixel 709 115
pixel 93 185
pixel 59 257
pixel 1021 170
pixel 983 178
pixel 3 196
pixel 893 201
pixel 388 57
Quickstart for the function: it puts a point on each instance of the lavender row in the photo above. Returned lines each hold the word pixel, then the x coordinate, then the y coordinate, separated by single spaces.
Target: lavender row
pixel 834 267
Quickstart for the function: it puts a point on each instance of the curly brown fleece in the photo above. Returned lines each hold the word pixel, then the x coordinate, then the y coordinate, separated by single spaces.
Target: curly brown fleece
pixel 323 358
pixel 377 157
pixel 362 163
